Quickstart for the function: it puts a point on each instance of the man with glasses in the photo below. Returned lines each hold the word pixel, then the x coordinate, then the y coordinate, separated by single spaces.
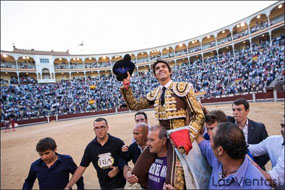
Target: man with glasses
pixel 105 154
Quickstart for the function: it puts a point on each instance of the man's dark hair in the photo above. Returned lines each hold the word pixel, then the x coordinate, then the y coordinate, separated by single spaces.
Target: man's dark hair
pixel 160 61
pixel 162 131
pixel 46 144
pixel 242 101
pixel 229 136
pixel 215 115
pixel 141 113
pixel 101 119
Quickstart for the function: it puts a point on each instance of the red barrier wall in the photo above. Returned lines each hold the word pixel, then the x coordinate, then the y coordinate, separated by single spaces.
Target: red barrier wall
pixel 267 95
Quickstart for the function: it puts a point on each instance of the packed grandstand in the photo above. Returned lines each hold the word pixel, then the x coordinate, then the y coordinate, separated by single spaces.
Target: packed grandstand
pixel 244 57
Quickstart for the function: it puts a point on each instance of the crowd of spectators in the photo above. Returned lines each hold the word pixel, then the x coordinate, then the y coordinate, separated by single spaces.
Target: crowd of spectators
pixel 91 65
pixel 168 55
pixel 258 26
pixel 224 40
pixel 246 71
pixel 20 65
pixel 210 44
pixel 194 49
pixel 27 66
pixel 8 64
pixel 76 65
pixel 277 19
pixel 240 34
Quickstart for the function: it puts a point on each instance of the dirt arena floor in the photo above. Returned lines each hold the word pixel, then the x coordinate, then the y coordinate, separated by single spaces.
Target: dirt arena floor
pixel 18 148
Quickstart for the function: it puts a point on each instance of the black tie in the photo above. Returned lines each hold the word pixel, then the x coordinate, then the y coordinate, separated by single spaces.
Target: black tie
pixel 162 96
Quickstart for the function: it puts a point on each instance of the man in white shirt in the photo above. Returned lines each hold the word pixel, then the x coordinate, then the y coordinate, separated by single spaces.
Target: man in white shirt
pixel 274 146
pixel 141 117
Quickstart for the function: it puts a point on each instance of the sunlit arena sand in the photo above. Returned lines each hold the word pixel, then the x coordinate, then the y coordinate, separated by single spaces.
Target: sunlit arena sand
pixel 18 149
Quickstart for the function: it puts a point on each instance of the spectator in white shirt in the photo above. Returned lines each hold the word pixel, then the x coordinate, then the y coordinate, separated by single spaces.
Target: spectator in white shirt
pixel 274 146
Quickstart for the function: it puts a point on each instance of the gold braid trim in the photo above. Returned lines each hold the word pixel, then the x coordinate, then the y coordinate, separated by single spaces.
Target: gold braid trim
pixel 197 115
pixel 179 181
pixel 131 101
pixel 176 123
pixel 181 89
pixel 151 96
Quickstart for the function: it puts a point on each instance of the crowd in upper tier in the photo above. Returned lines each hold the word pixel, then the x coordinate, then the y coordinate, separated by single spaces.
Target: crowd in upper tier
pixel 230 73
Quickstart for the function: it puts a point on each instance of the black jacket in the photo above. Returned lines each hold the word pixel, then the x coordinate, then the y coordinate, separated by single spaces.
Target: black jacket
pixel 256 133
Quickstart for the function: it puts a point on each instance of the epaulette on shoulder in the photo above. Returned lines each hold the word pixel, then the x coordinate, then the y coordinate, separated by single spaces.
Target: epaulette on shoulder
pixel 151 96
pixel 181 89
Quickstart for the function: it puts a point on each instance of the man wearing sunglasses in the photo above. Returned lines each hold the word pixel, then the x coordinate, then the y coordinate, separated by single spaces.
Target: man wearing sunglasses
pixel 105 154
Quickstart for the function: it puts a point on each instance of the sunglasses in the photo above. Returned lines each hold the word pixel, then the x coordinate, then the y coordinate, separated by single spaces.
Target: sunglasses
pixel 100 127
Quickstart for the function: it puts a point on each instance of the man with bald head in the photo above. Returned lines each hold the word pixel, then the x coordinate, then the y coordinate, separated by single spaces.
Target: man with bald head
pixel 140 117
pixel 157 144
pixel 133 151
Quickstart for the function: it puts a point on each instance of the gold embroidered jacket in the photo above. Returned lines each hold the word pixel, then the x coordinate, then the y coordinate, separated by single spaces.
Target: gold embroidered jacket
pixel 181 107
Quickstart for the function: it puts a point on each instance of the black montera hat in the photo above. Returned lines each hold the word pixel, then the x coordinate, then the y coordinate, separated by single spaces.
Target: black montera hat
pixel 122 67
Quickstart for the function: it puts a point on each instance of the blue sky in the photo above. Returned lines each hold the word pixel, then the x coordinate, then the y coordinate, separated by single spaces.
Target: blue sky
pixel 114 26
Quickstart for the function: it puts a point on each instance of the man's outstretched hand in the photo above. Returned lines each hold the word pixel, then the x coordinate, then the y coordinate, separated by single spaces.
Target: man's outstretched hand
pixel 126 81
